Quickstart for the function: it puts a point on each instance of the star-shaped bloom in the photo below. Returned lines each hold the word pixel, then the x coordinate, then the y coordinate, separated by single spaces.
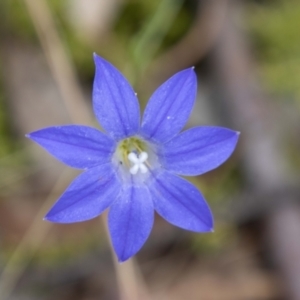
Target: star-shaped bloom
pixel 134 168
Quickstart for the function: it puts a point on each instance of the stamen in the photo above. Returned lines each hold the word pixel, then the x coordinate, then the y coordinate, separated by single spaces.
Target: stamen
pixel 138 162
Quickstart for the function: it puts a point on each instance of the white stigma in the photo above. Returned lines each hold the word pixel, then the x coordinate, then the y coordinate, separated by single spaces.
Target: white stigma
pixel 138 162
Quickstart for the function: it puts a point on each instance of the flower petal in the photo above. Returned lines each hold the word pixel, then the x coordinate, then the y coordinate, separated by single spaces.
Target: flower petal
pixel 130 220
pixel 170 106
pixel 77 146
pixel 115 103
pixel 180 203
pixel 87 197
pixel 198 150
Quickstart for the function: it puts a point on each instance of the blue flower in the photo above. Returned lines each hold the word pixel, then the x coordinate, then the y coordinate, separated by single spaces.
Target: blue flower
pixel 133 168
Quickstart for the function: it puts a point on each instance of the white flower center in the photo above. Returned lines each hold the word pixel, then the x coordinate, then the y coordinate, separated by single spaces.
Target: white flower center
pixel 138 162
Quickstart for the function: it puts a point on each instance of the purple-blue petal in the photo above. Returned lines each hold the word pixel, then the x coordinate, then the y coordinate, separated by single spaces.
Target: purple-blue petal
pixel 87 197
pixel 115 103
pixel 170 107
pixel 77 146
pixel 180 203
pixel 198 150
pixel 130 220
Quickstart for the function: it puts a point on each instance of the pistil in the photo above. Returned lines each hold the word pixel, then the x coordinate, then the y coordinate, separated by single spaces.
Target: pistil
pixel 138 162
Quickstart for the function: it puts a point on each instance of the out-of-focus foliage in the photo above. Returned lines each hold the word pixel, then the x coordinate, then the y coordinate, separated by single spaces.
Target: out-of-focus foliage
pixel 7 143
pixel 15 22
pixel 151 27
pixel 4 137
pixel 212 244
pixel 143 29
pixel 274 26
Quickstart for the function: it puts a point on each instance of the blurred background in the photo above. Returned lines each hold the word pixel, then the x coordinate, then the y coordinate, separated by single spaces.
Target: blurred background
pixel 247 58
